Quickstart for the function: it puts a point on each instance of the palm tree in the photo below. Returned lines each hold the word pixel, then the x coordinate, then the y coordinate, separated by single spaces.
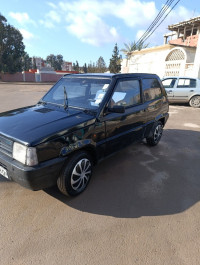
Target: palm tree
pixel 131 47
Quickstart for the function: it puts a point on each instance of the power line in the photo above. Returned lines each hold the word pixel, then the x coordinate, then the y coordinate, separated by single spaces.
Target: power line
pixel 156 20
pixel 151 29
pixel 161 21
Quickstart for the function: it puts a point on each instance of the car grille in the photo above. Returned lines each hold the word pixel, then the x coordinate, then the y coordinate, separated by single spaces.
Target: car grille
pixel 6 146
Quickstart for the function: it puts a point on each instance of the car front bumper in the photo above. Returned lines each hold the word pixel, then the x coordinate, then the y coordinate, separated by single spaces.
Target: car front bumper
pixel 39 177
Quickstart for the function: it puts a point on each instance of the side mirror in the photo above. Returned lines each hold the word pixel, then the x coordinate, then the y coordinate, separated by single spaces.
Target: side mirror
pixel 116 109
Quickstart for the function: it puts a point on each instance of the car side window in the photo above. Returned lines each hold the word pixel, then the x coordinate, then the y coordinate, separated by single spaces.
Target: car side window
pixel 169 82
pixel 186 82
pixel 127 93
pixel 151 89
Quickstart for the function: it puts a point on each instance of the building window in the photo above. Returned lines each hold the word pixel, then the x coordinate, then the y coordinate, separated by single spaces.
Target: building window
pixel 175 55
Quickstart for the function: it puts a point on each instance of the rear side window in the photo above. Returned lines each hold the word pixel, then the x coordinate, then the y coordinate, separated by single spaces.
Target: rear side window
pixel 186 82
pixel 151 89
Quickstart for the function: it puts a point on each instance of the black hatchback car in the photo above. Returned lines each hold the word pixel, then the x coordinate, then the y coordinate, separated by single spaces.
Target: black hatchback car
pixel 82 119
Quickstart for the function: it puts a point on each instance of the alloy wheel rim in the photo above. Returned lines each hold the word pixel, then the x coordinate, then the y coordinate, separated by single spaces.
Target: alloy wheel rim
pixel 158 133
pixel 196 101
pixel 81 174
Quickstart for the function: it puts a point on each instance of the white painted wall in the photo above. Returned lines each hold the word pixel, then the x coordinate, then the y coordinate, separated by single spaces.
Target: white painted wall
pixel 196 70
pixel 152 60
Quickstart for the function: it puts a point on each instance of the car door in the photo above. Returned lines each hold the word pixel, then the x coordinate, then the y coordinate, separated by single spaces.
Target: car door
pixel 154 100
pixel 169 85
pixel 185 89
pixel 127 127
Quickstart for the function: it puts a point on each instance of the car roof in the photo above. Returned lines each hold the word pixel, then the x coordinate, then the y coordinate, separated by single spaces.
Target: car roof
pixel 111 75
pixel 166 77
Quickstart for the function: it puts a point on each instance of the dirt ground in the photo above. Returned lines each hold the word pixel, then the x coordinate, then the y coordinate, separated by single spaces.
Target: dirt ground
pixel 142 205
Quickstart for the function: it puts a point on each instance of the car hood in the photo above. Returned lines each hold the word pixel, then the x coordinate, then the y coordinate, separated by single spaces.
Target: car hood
pixel 37 124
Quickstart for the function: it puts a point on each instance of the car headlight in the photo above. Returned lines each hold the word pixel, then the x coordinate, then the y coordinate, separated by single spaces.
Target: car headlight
pixel 25 155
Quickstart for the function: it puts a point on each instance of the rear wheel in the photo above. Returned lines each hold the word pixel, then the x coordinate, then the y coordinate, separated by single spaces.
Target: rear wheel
pixel 195 102
pixel 156 134
pixel 76 175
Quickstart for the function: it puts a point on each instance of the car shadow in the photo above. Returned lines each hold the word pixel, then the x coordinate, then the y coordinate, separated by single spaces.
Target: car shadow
pixel 144 181
pixel 179 104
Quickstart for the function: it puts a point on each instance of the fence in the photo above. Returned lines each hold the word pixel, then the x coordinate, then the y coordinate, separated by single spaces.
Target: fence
pixel 33 77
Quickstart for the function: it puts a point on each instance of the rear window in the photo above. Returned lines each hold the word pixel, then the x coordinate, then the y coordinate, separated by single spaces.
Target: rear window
pixel 151 89
pixel 186 82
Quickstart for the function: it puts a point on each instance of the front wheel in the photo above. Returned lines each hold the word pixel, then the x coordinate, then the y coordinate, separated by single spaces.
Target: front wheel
pixel 76 175
pixel 195 102
pixel 156 134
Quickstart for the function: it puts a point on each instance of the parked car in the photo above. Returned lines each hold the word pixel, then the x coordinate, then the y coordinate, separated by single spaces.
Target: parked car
pixel 183 90
pixel 81 119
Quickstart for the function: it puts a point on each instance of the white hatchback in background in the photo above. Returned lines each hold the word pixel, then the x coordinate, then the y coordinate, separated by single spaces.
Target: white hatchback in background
pixel 182 90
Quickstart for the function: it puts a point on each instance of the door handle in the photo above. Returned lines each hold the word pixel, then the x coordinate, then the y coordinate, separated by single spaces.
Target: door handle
pixel 169 91
pixel 191 90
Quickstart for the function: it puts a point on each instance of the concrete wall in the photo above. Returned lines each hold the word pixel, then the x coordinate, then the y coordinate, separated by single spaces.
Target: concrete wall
pixel 17 77
pixel 30 77
pixel 190 54
pixel 153 60
pixel 50 77
pixel 150 60
pixel 197 61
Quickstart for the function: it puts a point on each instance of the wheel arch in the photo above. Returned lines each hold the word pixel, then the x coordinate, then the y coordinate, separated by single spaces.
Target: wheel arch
pixel 91 151
pixel 194 96
pixel 163 121
pixel 88 149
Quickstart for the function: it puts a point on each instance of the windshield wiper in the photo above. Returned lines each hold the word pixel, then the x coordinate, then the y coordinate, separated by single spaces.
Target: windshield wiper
pixel 65 99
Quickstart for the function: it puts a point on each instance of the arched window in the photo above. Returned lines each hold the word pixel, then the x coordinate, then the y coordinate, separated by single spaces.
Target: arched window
pixel 175 55
pixel 174 62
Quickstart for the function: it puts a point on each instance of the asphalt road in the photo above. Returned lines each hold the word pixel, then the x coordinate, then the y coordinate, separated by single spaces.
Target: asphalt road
pixel 142 205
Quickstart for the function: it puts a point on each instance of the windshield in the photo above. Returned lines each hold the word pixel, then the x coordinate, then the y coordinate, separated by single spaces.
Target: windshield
pixel 79 92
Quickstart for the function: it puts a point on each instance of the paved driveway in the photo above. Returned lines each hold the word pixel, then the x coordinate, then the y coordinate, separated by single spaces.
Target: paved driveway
pixel 142 205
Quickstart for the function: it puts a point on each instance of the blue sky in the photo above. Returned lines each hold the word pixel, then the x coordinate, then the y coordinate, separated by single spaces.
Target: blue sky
pixel 84 30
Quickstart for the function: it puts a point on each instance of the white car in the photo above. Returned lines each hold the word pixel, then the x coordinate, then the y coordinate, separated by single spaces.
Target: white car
pixel 182 90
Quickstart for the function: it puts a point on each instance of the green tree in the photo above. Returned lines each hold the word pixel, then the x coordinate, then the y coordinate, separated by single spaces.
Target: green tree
pixel 34 63
pixel 51 60
pixel 59 62
pixel 55 61
pixel 115 61
pixel 101 65
pixel 131 47
pixel 11 47
pixel 85 69
pixel 27 62
pixel 3 24
pixel 76 66
pixel 92 67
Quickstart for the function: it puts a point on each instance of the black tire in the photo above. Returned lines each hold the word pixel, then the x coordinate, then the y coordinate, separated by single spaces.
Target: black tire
pixel 195 102
pixel 76 175
pixel 155 134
